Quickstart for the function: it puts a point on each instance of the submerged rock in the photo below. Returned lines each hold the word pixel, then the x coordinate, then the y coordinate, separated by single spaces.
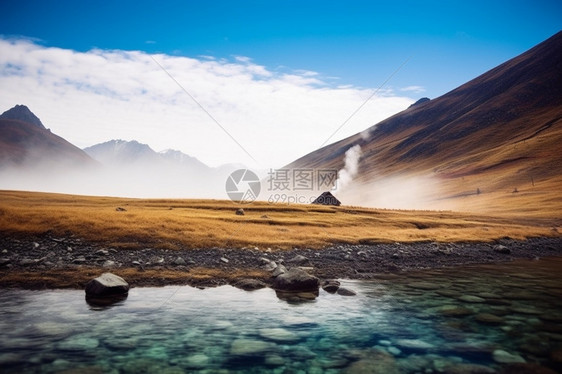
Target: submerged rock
pixel 250 347
pixel 279 335
pixel 414 344
pixel 489 319
pixel 471 299
pixel 374 362
pixel 504 357
pixel 197 361
pixel 342 291
pixel 106 285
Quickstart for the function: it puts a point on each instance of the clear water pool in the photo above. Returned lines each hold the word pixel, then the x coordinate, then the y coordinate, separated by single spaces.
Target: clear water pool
pixel 427 322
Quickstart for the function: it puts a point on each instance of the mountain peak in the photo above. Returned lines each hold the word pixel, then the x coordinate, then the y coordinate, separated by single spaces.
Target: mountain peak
pixel 420 101
pixel 22 113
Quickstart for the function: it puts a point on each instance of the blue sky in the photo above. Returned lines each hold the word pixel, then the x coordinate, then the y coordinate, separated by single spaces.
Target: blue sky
pixel 338 44
pixel 357 42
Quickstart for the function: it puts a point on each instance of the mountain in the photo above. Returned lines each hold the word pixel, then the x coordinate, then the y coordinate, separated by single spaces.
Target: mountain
pixel 25 142
pixel 183 159
pixel 23 114
pixel 121 153
pixel 493 139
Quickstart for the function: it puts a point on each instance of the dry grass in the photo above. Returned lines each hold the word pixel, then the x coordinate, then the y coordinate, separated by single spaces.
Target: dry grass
pixel 211 223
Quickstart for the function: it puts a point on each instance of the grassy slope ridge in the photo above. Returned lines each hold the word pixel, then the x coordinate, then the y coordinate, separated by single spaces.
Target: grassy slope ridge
pixel 498 133
pixel 176 224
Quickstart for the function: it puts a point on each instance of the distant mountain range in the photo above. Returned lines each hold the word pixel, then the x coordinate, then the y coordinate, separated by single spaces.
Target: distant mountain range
pixel 121 152
pixel 24 141
pixel 33 158
pixel 493 143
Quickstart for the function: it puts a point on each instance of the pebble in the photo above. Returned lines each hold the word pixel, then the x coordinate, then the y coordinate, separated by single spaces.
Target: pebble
pixel 416 344
pixel 471 299
pixel 504 357
pixel 489 319
pixel 197 361
pixel 250 347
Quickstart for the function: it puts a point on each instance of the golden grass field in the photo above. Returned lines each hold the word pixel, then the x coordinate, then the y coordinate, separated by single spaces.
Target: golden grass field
pixel 175 224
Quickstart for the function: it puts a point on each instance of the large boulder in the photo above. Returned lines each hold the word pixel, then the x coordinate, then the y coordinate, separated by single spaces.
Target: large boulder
pixel 296 280
pixel 107 285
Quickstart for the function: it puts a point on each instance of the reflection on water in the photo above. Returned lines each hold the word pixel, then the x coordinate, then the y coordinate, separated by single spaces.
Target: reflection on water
pixel 437 321
pixel 102 303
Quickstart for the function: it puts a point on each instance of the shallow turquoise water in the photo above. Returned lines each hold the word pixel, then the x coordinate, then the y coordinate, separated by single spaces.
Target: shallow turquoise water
pixel 425 322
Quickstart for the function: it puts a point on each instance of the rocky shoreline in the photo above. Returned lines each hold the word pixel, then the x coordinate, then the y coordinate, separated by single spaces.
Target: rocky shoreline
pixel 47 253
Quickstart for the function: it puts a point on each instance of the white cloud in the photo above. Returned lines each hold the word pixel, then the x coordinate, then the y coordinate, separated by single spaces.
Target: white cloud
pixel 91 97
pixel 414 89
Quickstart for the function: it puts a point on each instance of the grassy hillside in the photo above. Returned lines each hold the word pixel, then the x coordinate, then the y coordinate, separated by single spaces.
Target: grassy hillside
pixel 496 134
pixel 173 224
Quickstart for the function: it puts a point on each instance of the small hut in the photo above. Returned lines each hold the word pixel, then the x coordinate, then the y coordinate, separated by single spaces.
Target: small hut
pixel 327 199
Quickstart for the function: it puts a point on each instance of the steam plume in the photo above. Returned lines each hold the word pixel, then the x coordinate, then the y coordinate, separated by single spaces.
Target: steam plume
pixel 351 167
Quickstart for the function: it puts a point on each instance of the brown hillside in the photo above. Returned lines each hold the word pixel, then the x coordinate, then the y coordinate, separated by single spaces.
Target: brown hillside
pixel 499 133
pixel 23 143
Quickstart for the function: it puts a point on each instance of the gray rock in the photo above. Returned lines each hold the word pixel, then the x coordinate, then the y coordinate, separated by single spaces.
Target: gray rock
pixel 270 266
pixel 296 280
pixel 79 260
pixel 502 249
pixel 240 212
pixel 342 291
pixel 224 260
pixel 107 284
pixel 249 284
pixel 279 269
pixel 108 264
pixel 299 260
pixel 331 286
pixel 180 261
